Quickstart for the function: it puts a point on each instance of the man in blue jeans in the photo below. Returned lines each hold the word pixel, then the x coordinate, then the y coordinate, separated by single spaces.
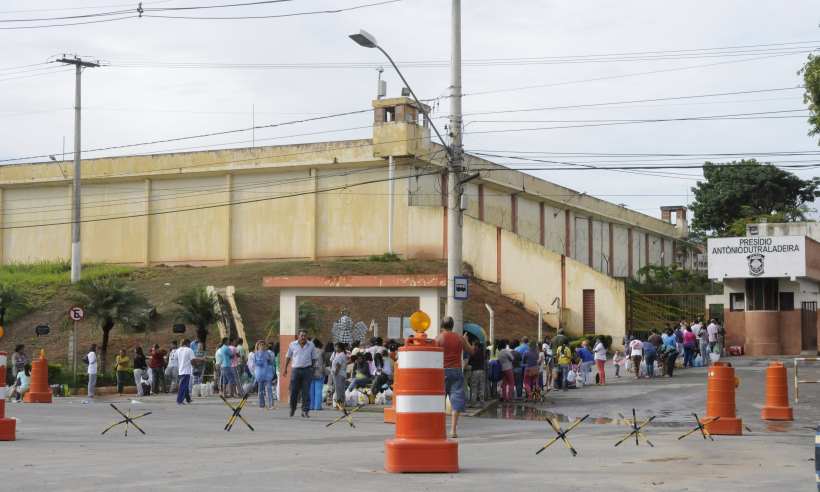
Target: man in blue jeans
pixel 300 351
pixel 454 346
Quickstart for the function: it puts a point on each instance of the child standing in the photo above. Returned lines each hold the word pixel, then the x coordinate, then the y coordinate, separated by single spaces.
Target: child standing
pixel 618 360
pixel 338 369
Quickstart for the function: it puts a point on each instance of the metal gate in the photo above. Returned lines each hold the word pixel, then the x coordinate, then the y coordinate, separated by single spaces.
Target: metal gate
pixel 589 311
pixel 808 325
pixel 656 311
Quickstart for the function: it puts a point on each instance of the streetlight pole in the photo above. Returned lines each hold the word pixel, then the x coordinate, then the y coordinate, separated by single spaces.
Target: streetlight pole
pixel 454 308
pixel 76 257
pixel 455 158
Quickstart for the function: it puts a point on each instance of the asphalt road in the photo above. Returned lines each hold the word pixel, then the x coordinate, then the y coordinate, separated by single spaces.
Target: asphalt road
pixel 59 446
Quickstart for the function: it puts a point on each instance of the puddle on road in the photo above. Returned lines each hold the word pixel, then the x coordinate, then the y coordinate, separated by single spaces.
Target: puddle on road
pixel 519 411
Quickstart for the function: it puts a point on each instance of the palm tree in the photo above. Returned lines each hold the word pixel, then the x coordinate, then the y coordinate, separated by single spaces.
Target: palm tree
pixel 111 302
pixel 196 307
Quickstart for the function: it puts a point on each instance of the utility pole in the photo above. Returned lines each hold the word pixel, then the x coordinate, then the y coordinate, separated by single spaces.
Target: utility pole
pixel 454 308
pixel 76 264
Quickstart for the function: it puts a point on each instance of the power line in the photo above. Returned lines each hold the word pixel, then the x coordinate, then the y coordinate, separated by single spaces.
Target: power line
pixel 276 16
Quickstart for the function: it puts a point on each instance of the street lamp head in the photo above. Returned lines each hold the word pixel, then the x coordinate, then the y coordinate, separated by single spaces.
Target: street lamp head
pixel 364 38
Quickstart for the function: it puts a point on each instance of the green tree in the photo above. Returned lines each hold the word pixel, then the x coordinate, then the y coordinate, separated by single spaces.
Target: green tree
pixel 196 307
pixel 811 81
pixel 746 189
pixel 13 302
pixel 111 302
pixel 310 318
pixel 672 280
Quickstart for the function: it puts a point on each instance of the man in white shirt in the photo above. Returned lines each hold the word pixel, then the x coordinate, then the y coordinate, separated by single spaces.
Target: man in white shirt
pixel 91 358
pixel 712 334
pixel 300 351
pixel 184 357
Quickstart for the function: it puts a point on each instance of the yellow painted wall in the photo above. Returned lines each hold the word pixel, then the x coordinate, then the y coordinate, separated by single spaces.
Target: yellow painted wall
pixel 610 301
pixel 529 219
pixel 197 236
pixel 497 207
pixel 121 240
pixel 33 206
pixel 277 228
pixel 479 248
pixel 530 273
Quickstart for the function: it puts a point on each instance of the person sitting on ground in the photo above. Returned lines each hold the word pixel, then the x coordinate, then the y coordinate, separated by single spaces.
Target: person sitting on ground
pixel 361 371
pixel 21 384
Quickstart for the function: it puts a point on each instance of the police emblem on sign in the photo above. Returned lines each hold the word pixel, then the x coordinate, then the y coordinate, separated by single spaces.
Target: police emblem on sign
pixel 755 264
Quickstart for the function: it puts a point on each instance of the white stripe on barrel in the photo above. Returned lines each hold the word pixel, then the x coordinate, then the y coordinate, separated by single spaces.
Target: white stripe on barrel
pixel 3 395
pixel 419 403
pixel 417 359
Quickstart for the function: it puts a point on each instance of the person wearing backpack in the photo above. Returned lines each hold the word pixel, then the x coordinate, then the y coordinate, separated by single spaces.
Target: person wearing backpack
pixel 263 372
pixel 91 359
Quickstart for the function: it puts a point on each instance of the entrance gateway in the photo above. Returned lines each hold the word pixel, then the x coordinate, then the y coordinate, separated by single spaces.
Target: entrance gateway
pixel 428 288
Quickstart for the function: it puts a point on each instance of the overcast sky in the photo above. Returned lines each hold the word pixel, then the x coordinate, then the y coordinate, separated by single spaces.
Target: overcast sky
pixel 134 98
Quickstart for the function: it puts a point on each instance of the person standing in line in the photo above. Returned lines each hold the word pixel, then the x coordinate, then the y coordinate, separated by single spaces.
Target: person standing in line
pixel 712 335
pixel 140 366
pixel 122 364
pixel 679 336
pixel 156 363
pixel 226 372
pixel 519 350
pixel 477 363
pixel 91 360
pixel 263 372
pixel 172 370
pixel 532 370
pixel 587 360
pixel 454 346
pixel 563 356
pixel 650 353
pixel 549 362
pixel 300 352
pixel 19 360
pixel 338 370
pixel 600 360
pixel 670 353
pixel 185 357
pixel 318 380
pixel 689 343
pixel 505 359
pixel 636 353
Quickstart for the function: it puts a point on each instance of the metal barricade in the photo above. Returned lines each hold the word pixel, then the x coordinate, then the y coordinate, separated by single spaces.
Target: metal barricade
pixel 798 381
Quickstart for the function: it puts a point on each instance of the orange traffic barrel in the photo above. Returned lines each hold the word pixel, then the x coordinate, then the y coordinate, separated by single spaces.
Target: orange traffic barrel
pixel 720 400
pixel 8 427
pixel 421 443
pixel 777 394
pixel 39 392
pixel 390 412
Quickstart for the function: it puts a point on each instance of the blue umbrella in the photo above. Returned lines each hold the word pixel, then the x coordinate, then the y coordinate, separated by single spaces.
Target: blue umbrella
pixel 476 331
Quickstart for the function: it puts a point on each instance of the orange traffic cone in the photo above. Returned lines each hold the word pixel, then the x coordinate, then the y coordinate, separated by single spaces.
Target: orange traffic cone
pixel 720 401
pixel 777 394
pixel 7 426
pixel 39 391
pixel 421 443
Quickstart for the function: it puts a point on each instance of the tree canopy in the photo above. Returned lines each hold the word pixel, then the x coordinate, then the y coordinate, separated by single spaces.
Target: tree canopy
pixel 748 189
pixel 811 81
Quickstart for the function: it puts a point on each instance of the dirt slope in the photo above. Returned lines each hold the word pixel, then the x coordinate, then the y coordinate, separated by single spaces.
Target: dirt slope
pixel 256 304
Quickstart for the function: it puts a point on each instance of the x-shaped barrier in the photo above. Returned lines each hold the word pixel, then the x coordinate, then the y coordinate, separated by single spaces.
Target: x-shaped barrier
pixel 127 420
pixel 636 429
pixel 347 415
pixel 701 427
pixel 236 413
pixel 562 434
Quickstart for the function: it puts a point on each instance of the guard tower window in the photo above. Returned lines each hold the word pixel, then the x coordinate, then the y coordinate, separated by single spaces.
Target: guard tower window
pixel 389 115
pixel 737 301
pixel 762 294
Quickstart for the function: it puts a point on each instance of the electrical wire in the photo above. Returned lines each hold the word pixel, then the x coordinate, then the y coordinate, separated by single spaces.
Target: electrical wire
pixel 276 16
